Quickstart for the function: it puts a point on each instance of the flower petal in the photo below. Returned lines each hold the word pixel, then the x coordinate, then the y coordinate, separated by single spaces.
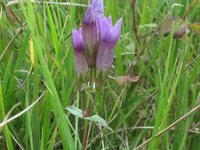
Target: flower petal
pixel 90 36
pixel 98 7
pixel 89 17
pixel 90 30
pixel 116 31
pixel 104 30
pixel 109 20
pixel 77 40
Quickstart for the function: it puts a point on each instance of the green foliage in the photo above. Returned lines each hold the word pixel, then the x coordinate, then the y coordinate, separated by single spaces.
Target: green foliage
pixel 168 85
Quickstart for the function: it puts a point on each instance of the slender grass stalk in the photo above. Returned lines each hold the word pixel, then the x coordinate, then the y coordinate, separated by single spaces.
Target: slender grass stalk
pixel 143 115
pixel 55 102
pixel 76 124
pixel 170 126
pixel 162 100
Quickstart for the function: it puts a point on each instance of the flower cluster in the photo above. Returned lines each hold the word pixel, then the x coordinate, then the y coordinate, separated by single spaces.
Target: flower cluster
pixel 95 42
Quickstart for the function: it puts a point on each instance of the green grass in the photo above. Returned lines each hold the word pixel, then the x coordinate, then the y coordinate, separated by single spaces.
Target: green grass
pixel 168 88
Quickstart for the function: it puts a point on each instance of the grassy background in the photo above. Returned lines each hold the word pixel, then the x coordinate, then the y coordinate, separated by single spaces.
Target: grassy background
pixel 168 88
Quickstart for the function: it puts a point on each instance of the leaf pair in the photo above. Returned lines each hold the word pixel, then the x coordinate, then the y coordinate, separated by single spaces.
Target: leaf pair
pixel 80 114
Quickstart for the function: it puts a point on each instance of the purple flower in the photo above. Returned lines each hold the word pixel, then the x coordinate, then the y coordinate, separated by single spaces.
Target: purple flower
pixel 90 30
pixel 94 45
pixel 79 54
pixel 108 37
pixel 90 36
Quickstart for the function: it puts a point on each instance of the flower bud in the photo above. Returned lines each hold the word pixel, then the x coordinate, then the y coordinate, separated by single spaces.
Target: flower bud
pixel 90 36
pixel 79 54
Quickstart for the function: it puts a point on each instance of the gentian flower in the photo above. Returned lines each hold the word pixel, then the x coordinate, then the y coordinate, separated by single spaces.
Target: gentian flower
pixel 90 36
pixel 90 31
pixel 79 54
pixel 108 37
pixel 94 44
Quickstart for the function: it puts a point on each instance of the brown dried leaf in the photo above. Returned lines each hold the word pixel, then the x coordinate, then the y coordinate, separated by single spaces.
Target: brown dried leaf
pixel 170 22
pixel 184 30
pixel 121 80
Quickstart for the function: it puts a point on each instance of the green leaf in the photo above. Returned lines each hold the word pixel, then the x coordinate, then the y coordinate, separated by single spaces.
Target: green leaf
pixel 79 113
pixel 150 25
pixel 98 119
pixel 75 111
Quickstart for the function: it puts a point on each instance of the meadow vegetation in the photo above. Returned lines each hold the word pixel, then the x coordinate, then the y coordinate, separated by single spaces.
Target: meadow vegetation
pixel 149 100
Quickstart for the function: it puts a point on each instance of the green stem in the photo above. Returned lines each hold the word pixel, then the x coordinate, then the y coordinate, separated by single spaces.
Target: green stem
pixel 85 135
pixel 76 123
pixel 86 122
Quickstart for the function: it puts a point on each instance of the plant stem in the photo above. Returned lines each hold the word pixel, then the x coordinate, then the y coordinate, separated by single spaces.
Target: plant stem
pixel 190 8
pixel 86 122
pixel 76 123
pixel 134 20
pixel 85 135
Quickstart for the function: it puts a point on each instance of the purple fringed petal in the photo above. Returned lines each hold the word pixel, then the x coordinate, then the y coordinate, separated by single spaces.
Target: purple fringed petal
pixel 79 56
pixel 109 36
pixel 98 7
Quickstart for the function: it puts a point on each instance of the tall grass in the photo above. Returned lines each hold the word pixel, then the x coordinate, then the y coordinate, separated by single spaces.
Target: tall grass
pixel 168 88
